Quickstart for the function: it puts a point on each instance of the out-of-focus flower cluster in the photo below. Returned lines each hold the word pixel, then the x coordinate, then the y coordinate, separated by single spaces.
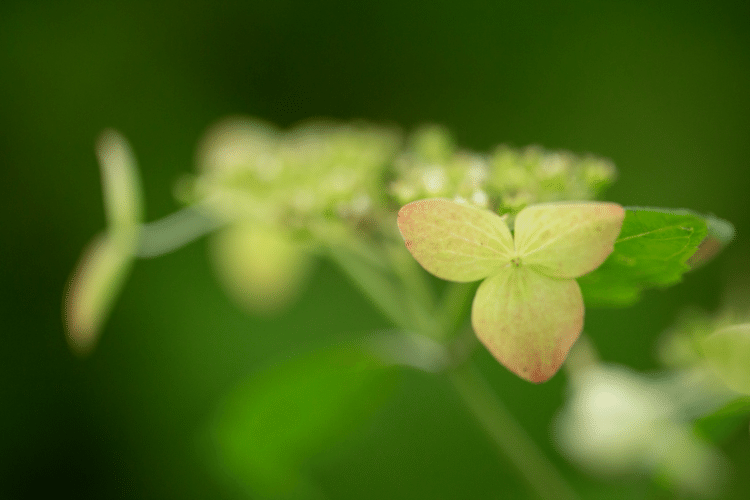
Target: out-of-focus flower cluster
pixel 249 170
pixel 617 422
pixel 273 188
pixel 275 195
pixel 506 180
pixel 277 191
pixel 718 344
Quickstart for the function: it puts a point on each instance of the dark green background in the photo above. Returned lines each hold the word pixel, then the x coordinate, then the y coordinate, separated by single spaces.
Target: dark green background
pixel 662 88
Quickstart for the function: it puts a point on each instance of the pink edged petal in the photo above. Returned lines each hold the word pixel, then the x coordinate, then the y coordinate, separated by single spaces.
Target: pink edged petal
pixel 567 240
pixel 454 241
pixel 528 321
pixel 98 279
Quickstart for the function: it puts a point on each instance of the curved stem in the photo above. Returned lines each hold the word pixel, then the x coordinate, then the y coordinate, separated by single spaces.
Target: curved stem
pixel 376 285
pixel 511 439
pixel 174 231
pixel 454 305
pixel 508 435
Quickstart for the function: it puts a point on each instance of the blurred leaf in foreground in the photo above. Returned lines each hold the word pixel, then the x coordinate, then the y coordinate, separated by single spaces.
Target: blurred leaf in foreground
pixel 722 423
pixel 275 421
pixel 651 251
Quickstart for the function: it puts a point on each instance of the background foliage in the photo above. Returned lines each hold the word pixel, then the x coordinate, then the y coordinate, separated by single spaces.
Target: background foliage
pixel 661 88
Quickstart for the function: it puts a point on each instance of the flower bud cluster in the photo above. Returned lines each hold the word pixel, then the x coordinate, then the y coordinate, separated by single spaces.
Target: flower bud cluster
pixel 252 171
pixel 506 180
pixel 534 175
pixel 275 188
pixel 432 167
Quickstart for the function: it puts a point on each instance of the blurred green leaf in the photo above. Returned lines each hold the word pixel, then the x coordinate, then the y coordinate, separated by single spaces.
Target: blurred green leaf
pixel 276 420
pixel 651 251
pixel 720 424
pixel 727 351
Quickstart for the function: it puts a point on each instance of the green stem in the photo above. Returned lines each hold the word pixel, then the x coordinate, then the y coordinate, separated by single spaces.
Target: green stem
pixel 511 439
pixel 454 304
pixel 541 475
pixel 174 231
pixel 378 286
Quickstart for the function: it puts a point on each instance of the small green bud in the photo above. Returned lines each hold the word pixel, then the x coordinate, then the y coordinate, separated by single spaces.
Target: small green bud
pixel 598 173
pixel 262 269
pixel 432 144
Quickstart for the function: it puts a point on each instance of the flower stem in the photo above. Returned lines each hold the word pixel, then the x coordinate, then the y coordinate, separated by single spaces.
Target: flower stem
pixel 511 439
pixel 174 231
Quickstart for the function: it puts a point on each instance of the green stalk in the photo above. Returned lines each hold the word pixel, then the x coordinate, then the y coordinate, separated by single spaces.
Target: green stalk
pixel 174 231
pixel 511 439
pixel 508 435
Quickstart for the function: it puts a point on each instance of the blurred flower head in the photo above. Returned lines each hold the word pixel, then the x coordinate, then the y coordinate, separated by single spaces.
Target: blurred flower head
pixel 280 193
pixel 251 171
pixel 619 422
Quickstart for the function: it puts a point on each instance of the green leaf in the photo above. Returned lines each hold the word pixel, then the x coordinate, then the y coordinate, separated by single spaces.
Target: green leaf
pixel 722 423
pixel 727 351
pixel 651 251
pixel 270 426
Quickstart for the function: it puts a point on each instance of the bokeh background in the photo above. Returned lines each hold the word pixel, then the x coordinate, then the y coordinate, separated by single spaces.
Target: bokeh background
pixel 659 87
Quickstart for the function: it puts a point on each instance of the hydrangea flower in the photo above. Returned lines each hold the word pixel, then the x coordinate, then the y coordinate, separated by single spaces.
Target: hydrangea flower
pixel 528 311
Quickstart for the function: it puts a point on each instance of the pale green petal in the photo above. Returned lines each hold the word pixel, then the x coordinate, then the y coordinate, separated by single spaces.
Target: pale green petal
pixel 528 321
pixel 121 183
pixel 567 240
pixel 104 265
pixel 95 284
pixel 454 241
pixel 728 353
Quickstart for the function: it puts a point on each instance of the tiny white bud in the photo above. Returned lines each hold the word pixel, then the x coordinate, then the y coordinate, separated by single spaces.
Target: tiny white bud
pixel 480 198
pixel 434 179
